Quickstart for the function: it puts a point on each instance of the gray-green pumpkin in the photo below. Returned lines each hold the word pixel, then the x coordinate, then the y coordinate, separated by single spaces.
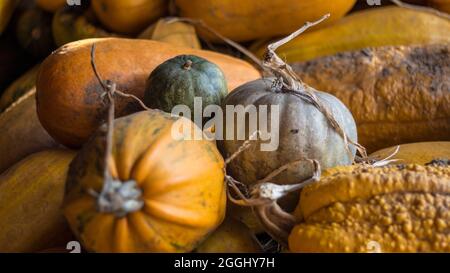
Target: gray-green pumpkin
pixel 179 80
pixel 304 132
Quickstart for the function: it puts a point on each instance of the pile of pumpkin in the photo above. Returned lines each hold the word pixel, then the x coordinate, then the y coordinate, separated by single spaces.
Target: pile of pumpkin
pixel 69 173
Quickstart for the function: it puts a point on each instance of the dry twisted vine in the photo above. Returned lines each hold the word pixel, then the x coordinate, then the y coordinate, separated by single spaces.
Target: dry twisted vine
pixel 262 197
pixel 291 83
pixel 117 197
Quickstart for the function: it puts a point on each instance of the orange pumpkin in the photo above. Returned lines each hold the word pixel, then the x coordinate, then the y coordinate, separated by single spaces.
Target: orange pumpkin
pixel 177 186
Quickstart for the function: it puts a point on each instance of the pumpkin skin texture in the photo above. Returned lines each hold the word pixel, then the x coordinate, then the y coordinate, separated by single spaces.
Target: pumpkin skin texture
pixel 231 237
pixel 69 93
pixel 244 20
pixel 32 192
pixel 404 208
pixel 128 16
pixel 396 94
pixel 22 134
pixel 183 201
pixel 385 26
pixel 181 79
pixel 417 153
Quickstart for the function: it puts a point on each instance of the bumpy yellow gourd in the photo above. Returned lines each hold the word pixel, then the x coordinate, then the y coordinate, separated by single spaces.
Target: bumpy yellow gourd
pixel 368 28
pixel 394 209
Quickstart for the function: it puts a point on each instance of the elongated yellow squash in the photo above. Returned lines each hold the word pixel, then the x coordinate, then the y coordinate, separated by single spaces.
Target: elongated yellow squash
pixel 369 28
pixel 31 193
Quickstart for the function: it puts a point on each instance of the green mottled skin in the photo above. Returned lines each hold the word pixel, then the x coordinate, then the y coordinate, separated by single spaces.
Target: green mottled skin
pixel 172 84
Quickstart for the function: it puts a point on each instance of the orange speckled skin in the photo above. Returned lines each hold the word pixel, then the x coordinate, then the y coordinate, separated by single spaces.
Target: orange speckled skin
pixel 68 94
pixel 244 20
pixel 396 94
pixel 182 184
pixel 404 208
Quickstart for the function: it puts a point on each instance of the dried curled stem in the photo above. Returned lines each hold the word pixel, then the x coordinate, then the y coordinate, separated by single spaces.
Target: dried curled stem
pixel 292 84
pixel 263 198
pixel 117 197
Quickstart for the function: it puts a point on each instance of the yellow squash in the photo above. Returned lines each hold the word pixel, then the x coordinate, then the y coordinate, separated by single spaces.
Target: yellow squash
pixel 402 208
pixel 417 153
pixel 22 133
pixel 128 16
pixel 244 20
pixel 31 193
pixel 369 28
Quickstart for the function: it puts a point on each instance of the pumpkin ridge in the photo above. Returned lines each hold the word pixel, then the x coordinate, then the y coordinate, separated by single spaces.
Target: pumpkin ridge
pixel 173 213
pixel 146 230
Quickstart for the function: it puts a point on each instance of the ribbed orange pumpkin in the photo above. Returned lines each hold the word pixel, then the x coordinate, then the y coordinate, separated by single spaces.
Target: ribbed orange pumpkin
pixel 180 184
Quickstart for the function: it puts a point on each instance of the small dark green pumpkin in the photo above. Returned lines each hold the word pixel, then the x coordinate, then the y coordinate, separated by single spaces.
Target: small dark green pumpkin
pixel 179 80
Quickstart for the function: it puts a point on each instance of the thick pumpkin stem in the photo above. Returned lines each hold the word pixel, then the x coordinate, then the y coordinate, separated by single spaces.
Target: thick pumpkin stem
pixel 187 65
pixel 120 198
